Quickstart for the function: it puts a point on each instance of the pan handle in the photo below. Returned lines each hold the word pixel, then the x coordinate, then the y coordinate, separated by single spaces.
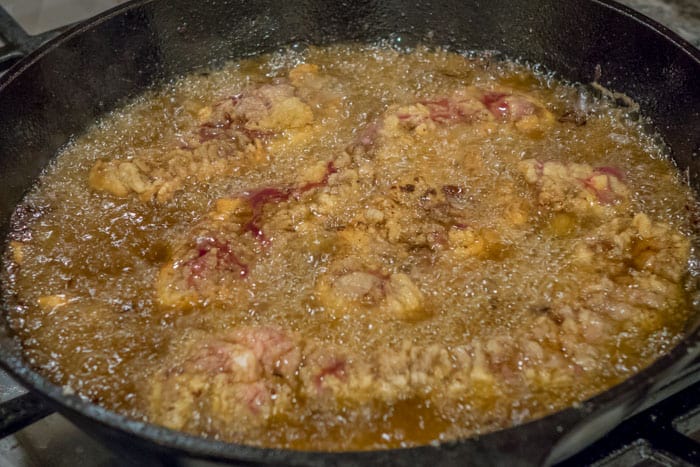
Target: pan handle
pixel 21 411
pixel 17 42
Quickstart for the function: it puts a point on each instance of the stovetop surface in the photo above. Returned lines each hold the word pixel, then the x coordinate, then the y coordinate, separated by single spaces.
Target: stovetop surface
pixel 56 442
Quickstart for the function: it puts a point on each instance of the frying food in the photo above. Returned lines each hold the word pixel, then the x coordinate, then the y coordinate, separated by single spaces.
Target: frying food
pixel 353 247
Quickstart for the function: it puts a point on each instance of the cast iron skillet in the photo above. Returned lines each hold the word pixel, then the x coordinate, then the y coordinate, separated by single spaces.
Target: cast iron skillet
pixel 63 87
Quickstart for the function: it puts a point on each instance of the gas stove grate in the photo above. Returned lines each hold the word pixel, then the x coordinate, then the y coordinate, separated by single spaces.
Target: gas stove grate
pixel 665 434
